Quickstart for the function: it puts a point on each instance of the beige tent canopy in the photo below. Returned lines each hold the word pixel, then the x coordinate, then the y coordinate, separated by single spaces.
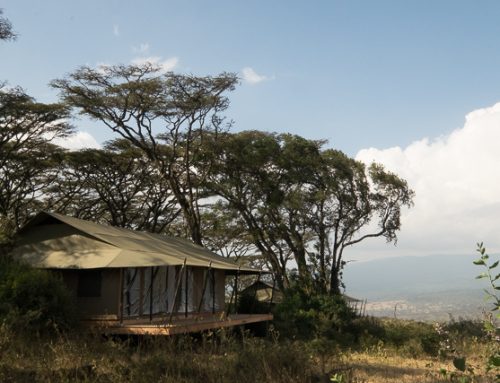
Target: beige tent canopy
pixel 56 241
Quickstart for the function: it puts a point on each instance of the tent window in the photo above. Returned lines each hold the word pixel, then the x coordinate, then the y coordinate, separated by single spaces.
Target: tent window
pixel 89 283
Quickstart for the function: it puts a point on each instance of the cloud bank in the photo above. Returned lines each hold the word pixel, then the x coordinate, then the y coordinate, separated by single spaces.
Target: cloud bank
pixel 456 179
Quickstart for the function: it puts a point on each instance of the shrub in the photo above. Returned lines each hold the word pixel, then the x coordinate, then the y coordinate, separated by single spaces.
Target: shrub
pixel 409 337
pixel 35 300
pixel 304 316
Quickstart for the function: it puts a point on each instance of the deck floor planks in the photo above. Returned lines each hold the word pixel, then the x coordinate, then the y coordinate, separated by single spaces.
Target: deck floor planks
pixel 160 327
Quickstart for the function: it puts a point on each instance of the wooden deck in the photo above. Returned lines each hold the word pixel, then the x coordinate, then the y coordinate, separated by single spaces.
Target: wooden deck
pixel 160 326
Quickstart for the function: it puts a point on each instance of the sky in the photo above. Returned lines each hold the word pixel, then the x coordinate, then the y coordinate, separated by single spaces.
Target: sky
pixel 414 85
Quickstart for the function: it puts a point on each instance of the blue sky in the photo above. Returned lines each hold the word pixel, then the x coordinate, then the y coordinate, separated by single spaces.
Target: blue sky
pixel 391 81
pixel 359 73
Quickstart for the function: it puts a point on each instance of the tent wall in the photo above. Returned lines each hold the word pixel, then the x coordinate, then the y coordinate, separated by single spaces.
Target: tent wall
pixel 107 303
pixel 152 290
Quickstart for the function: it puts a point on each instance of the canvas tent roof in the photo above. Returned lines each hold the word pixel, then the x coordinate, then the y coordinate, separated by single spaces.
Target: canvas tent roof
pixel 53 240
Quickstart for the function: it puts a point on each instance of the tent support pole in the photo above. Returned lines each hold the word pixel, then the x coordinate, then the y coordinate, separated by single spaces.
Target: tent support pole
pixel 151 295
pixel 141 294
pixel 121 296
pixel 177 290
pixel 236 291
pixel 166 288
pixel 212 275
pixel 205 280
pixel 186 300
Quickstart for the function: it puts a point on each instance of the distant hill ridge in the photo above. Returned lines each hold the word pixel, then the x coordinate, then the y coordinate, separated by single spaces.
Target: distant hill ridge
pixel 401 277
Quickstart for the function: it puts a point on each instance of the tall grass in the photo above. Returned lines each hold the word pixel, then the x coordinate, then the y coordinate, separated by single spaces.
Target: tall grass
pixel 224 356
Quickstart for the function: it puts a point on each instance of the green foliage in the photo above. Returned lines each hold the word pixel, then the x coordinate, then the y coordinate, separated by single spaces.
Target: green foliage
pixel 301 202
pixel 166 116
pixel 34 301
pixel 492 278
pixel 409 337
pixel 492 294
pixel 28 159
pixel 306 316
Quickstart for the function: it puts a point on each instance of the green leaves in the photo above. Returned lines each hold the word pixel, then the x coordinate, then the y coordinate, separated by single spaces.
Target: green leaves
pixel 459 363
pixel 490 294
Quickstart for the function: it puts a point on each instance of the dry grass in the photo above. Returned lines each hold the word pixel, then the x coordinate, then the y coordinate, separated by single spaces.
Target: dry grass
pixel 218 359
pixel 370 368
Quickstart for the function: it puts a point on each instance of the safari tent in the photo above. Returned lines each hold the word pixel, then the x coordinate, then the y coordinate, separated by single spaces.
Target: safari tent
pixel 130 281
pixel 264 292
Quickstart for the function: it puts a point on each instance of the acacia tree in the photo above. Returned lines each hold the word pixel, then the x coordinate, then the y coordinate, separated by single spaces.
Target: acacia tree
pixel 262 176
pixel 28 159
pixel 116 185
pixel 349 204
pixel 307 204
pixel 165 115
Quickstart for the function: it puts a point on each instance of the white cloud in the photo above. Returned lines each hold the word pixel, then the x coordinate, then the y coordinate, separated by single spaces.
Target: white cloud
pixel 116 30
pixel 79 140
pixel 457 185
pixel 249 75
pixel 142 48
pixel 165 65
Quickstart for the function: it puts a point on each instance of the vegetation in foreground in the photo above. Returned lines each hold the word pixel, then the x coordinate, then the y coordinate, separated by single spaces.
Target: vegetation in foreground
pixel 397 354
pixel 314 338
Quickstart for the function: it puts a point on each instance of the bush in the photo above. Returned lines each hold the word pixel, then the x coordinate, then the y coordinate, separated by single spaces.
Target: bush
pixel 410 337
pixel 303 316
pixel 35 300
